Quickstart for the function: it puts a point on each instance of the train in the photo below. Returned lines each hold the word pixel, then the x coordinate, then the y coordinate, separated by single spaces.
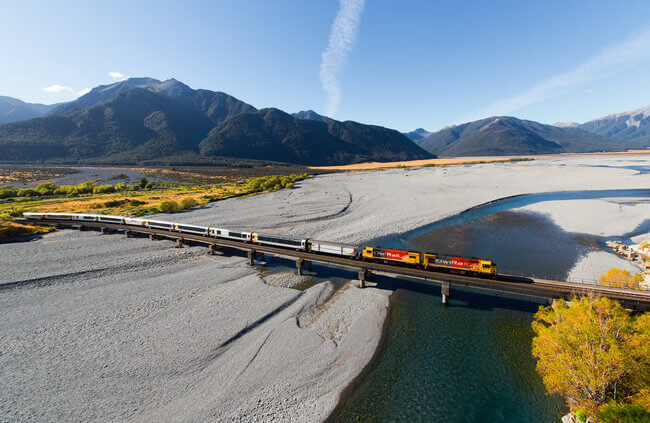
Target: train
pixel 415 259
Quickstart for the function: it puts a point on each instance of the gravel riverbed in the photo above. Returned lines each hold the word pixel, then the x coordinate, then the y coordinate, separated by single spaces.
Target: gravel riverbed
pixel 99 327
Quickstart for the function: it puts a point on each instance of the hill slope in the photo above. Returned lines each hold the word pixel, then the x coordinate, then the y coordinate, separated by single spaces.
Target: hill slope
pixel 632 125
pixel 13 109
pixel 505 135
pixel 137 124
pixel 272 134
pixel 143 119
pixel 417 134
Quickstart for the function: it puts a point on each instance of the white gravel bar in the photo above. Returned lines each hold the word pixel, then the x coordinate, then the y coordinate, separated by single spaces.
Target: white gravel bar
pixel 103 328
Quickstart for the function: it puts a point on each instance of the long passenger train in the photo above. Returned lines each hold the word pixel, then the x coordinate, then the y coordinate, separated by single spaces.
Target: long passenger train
pixel 427 260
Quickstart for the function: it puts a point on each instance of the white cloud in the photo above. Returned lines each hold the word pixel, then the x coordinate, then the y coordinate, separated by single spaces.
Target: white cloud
pixel 58 88
pixel 118 75
pixel 610 61
pixel 342 37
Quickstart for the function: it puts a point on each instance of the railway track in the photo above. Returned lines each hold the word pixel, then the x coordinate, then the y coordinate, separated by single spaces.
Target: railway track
pixel 532 287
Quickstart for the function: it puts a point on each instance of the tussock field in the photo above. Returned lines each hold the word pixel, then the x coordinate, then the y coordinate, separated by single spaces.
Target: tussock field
pixel 424 163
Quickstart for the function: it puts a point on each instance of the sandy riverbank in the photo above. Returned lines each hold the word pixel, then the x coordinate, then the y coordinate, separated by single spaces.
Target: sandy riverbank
pixel 102 328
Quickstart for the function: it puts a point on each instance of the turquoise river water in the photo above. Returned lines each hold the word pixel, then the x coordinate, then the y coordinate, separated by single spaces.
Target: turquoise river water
pixel 470 361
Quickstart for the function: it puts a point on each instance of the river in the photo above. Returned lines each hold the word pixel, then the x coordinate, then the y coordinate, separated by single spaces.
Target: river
pixel 470 361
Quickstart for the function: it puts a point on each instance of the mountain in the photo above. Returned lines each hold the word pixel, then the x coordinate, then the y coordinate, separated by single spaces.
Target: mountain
pixel 13 109
pixel 417 134
pixel 272 134
pixel 137 124
pixel 505 135
pixel 310 115
pixel 632 125
pixel 143 120
pixel 567 124
pixel 103 93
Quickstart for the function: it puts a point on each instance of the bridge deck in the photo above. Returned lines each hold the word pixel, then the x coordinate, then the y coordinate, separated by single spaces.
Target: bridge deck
pixel 539 288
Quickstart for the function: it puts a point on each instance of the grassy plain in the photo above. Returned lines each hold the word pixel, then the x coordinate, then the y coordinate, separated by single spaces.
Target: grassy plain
pixel 195 187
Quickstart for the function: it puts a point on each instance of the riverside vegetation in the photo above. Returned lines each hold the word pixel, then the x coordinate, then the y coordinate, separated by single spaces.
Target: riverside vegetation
pixel 139 199
pixel 596 354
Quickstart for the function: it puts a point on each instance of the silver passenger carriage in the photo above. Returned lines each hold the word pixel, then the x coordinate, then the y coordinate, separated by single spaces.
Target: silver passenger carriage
pixel 280 241
pixel 111 219
pixel 158 224
pixel 134 221
pixel 48 216
pixel 84 217
pixel 226 233
pixel 191 229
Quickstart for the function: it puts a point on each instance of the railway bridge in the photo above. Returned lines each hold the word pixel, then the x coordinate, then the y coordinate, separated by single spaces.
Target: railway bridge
pixel 530 287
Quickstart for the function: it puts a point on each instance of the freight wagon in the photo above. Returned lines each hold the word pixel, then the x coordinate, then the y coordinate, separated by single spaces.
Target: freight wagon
pixel 335 248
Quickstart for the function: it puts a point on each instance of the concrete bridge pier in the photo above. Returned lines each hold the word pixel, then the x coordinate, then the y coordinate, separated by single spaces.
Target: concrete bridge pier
pixel 128 233
pixel 83 228
pixel 215 249
pixel 299 263
pixel 153 237
pixel 364 275
pixel 251 257
pixel 105 230
pixel 445 292
pixel 180 242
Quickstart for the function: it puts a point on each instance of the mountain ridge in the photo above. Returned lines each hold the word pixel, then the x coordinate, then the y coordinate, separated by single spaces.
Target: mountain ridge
pixel 506 135
pixel 144 119
pixel 13 109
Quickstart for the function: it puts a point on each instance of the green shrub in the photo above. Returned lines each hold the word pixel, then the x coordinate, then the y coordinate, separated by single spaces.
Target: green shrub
pixel 255 183
pixel 65 190
pixel 168 206
pixel 28 192
pixel 142 183
pixel 8 191
pixel 581 414
pixel 120 187
pixel 188 202
pixel 115 203
pixel 46 188
pixel 85 188
pixel 623 413
pixel 104 189
pixel 289 185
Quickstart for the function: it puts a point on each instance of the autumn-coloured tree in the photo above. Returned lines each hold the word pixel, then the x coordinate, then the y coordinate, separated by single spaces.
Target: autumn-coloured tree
pixel 593 352
pixel 619 278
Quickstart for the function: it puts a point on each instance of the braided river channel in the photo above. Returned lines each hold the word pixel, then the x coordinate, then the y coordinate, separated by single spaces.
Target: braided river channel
pixel 470 361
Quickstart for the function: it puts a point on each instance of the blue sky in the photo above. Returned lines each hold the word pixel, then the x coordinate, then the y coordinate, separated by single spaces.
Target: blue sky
pixel 398 64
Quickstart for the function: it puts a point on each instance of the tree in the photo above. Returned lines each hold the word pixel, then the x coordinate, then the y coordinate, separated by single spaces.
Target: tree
pixel 593 352
pixel 619 278
pixel 142 183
